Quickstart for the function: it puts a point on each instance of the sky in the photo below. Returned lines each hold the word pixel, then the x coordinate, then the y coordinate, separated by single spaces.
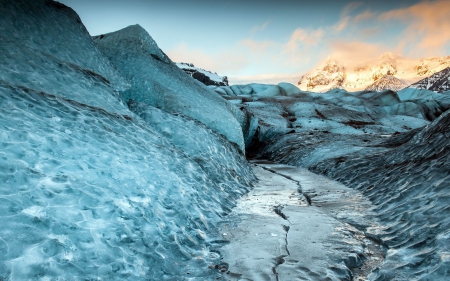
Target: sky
pixel 276 40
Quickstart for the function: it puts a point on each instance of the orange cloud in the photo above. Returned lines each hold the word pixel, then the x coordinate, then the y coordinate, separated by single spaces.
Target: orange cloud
pixel 428 25
pixel 303 38
pixel 342 24
pixel 350 7
pixel 257 47
pixel 355 53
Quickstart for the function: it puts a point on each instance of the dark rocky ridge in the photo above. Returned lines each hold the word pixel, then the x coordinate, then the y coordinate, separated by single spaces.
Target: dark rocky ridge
pixel 202 75
pixel 438 82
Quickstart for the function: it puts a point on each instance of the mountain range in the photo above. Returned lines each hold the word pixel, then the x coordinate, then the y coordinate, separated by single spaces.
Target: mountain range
pixel 334 73
pixel 206 77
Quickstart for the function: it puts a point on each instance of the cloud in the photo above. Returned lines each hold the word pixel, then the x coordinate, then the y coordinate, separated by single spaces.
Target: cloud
pixel 221 62
pixel 355 53
pixel 350 7
pixel 258 47
pixel 259 28
pixel 428 25
pixel 303 39
pixel 366 15
pixel 266 78
pixel 342 24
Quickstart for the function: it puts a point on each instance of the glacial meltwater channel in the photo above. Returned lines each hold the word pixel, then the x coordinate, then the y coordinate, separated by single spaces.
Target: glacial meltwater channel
pixel 297 225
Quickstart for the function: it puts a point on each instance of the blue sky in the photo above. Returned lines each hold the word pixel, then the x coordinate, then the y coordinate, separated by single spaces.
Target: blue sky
pixel 276 40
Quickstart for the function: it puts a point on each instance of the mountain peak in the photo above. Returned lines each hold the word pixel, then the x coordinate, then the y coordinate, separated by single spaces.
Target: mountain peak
pixel 438 82
pixel 387 82
pixel 359 76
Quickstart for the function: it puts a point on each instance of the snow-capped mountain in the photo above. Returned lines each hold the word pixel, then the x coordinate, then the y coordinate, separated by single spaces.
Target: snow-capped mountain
pixel 438 82
pixel 387 82
pixel 353 77
pixel 206 77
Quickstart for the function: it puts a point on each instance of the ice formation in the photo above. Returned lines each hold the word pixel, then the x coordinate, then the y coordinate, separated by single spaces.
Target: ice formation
pixel 157 81
pixel 384 145
pixel 90 190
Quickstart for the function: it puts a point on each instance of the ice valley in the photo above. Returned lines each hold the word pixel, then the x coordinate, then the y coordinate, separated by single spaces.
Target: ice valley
pixel 117 165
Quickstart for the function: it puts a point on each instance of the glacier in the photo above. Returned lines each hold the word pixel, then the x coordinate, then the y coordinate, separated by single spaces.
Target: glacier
pixel 157 81
pixel 91 190
pixel 117 165
pixel 393 148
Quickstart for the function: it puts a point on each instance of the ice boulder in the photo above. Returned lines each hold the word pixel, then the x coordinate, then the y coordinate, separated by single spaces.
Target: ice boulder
pixel 289 89
pixel 157 81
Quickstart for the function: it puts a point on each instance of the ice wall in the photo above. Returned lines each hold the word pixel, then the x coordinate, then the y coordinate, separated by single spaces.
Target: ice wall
pixel 89 190
pixel 157 81
pixel 45 47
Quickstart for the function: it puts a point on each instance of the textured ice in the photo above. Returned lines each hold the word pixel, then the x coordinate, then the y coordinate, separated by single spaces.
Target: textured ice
pixel 202 145
pixel 258 90
pixel 45 47
pixel 87 194
pixel 393 155
pixel 410 186
pixel 157 81
pixel 90 190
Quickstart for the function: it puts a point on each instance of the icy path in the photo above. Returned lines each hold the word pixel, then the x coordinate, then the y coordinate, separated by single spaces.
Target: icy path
pixel 296 225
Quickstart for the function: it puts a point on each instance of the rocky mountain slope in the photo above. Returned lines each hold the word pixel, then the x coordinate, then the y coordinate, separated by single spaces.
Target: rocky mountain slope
pixel 334 73
pixel 206 77
pixel 387 82
pixel 438 82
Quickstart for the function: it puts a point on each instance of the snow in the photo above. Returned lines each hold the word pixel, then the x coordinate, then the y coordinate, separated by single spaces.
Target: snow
pixel 438 82
pixel 213 76
pixel 157 81
pixel 357 75
pixel 387 82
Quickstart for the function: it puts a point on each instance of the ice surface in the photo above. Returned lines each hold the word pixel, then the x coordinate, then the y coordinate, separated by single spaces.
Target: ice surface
pixel 89 189
pixel 202 145
pixel 276 233
pixel 157 81
pixel 258 90
pixel 86 194
pixel 410 186
pixel 45 47
pixel 403 172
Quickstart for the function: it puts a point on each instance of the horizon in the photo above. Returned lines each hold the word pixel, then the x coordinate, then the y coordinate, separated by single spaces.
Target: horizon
pixel 263 41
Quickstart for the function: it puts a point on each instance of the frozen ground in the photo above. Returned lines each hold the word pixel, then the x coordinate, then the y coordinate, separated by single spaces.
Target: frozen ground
pixel 296 225
pixel 401 166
